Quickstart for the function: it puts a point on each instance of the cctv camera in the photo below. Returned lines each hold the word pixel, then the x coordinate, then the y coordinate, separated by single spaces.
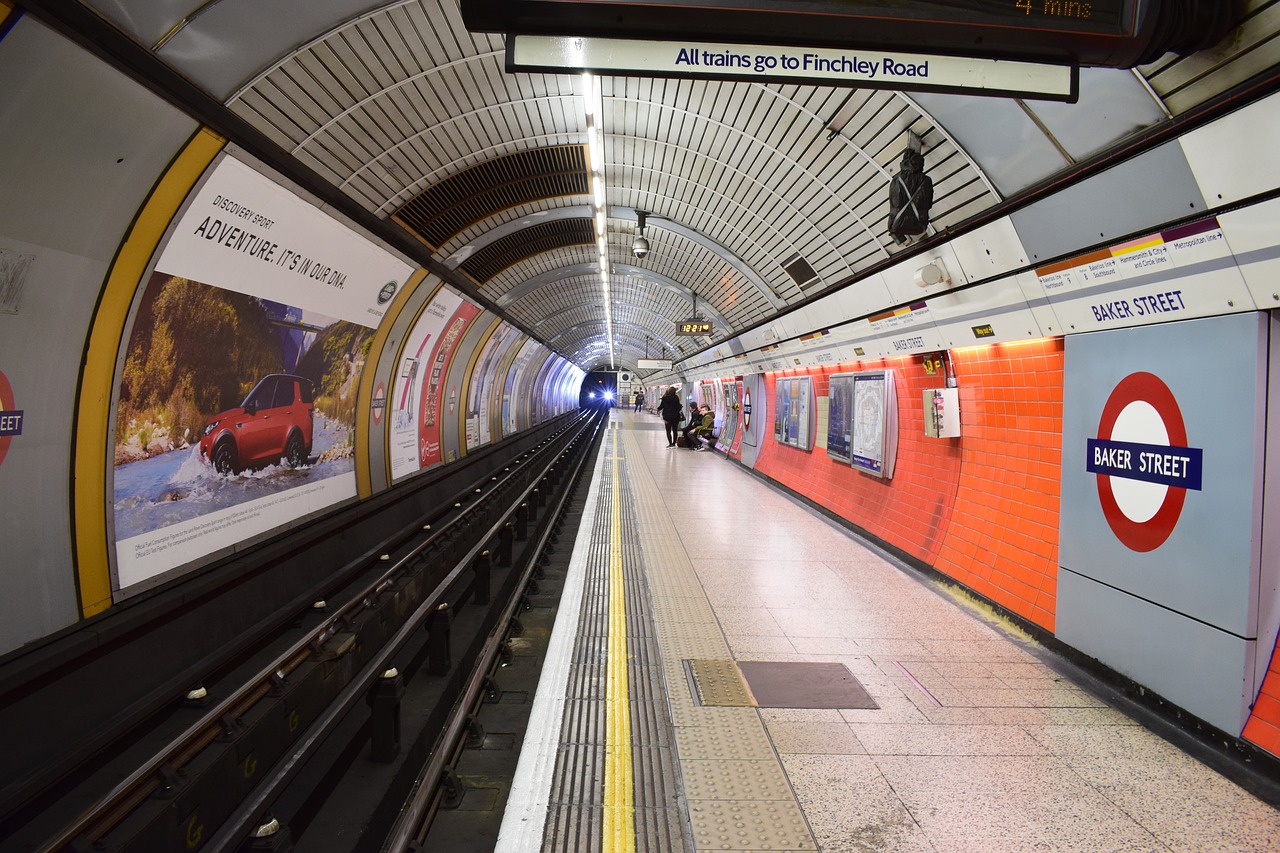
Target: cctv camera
pixel 640 246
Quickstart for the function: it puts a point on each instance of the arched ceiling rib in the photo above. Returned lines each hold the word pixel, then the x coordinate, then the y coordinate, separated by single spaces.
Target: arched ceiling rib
pixel 741 180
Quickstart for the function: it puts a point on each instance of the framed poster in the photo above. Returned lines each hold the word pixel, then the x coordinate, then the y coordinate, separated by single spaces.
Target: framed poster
pixel 874 440
pixel 840 418
pixel 792 420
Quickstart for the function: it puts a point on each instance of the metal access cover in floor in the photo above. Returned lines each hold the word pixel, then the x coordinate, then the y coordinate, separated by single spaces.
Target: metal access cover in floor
pixel 776 684
pixel 804 685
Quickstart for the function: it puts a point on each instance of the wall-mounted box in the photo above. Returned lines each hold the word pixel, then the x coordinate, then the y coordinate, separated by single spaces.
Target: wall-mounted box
pixel 942 412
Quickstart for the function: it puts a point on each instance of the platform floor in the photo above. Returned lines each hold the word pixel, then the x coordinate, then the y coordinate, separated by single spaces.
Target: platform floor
pixel 979 738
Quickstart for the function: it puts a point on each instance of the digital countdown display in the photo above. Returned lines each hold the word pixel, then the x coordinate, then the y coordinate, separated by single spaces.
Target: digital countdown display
pixel 1116 33
pixel 694 327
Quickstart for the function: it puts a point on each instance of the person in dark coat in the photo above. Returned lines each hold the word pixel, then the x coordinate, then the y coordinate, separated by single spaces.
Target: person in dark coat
pixel 695 418
pixel 672 412
pixel 910 197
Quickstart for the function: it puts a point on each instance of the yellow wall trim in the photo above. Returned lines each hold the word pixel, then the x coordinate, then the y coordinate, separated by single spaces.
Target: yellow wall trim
pixel 464 393
pixel 93 410
pixel 364 395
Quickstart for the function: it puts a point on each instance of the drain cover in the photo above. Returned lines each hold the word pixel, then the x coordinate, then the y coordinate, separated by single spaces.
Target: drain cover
pixel 804 685
pixel 775 684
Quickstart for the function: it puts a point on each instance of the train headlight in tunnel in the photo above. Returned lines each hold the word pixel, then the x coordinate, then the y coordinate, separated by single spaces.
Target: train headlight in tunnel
pixel 608 395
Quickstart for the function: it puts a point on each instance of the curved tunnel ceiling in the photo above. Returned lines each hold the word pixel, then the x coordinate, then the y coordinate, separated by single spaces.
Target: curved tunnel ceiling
pixel 758 195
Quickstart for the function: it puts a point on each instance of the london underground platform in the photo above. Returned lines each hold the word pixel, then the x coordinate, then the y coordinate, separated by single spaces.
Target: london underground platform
pixel 731 671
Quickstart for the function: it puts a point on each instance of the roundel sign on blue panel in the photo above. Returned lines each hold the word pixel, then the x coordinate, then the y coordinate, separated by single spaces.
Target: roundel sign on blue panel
pixel 1143 462
pixel 10 416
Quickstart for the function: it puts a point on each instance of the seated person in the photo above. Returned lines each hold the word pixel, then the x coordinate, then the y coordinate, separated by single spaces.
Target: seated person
pixel 695 419
pixel 705 431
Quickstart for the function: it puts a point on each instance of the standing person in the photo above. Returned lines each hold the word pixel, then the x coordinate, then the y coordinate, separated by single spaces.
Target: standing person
pixel 639 400
pixel 672 413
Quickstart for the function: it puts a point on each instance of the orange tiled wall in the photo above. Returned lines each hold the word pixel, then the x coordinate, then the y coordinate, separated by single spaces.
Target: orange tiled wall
pixel 1263 727
pixel 913 510
pixel 982 508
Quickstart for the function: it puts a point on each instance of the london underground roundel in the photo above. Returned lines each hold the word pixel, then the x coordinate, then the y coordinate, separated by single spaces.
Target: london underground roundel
pixel 1143 465
pixel 10 416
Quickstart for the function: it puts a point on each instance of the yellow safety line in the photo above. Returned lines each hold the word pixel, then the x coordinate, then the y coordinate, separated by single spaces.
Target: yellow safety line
pixel 619 784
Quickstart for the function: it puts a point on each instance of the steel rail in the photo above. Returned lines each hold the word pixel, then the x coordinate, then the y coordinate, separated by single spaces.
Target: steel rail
pixel 146 779
pixel 413 820
pixel 235 829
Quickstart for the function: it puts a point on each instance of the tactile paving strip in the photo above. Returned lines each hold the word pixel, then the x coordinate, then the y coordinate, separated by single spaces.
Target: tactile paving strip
pixel 575 818
pixel 750 806
pixel 718 682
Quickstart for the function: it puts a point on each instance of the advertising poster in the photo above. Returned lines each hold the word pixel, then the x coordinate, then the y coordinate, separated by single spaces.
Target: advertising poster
pixel 483 379
pixel 782 403
pixel 434 393
pixel 869 422
pixel 840 418
pixel 236 398
pixel 407 396
pixel 511 410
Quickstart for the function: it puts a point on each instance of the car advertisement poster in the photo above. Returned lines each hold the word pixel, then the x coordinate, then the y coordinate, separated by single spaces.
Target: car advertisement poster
pixel 415 364
pixel 236 397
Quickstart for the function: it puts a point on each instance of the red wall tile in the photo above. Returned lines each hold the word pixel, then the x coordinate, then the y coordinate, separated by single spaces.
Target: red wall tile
pixel 983 508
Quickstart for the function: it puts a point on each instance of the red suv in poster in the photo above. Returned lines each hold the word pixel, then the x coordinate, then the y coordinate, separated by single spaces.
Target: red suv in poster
pixel 274 421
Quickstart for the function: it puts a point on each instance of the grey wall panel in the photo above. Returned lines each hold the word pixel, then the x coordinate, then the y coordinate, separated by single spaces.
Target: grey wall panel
pixel 1162 583
pixel 82 144
pixel 82 148
pixel 753 432
pixel 1197 667
pixel 221 49
pixel 1142 193
pixel 1269 581
pixel 1116 103
pixel 1011 151
pixel 1207 567
pixel 40 356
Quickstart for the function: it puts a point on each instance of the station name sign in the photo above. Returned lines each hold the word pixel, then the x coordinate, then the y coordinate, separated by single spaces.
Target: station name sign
pixel 823 66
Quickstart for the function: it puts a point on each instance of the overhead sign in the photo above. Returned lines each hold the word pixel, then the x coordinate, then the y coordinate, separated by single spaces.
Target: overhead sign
pixel 653 364
pixel 1115 33
pixel 869 68
pixel 1177 274
pixel 1143 465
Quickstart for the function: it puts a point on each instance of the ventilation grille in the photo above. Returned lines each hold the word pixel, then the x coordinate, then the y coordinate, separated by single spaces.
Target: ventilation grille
pixel 544 237
pixel 493 186
pixel 800 271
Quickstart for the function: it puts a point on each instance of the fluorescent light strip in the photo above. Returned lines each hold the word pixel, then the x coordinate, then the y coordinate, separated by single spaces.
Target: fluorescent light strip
pixel 595 155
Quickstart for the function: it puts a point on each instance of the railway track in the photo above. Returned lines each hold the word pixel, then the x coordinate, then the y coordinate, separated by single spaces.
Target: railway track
pixel 405 642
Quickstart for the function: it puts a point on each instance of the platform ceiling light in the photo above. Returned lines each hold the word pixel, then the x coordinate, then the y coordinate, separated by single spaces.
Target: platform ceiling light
pixel 595 165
